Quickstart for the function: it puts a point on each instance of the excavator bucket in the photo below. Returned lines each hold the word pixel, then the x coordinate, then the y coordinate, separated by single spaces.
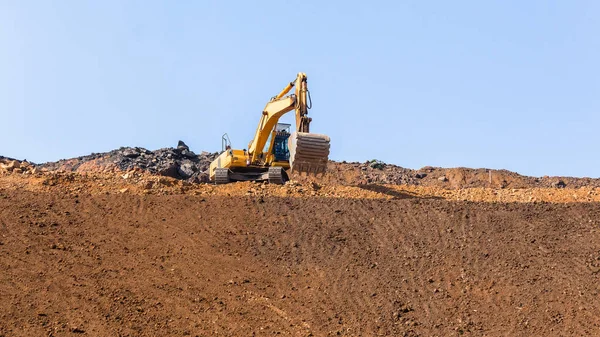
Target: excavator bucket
pixel 309 152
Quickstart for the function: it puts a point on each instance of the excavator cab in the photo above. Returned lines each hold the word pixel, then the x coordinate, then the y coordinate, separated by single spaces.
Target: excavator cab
pixel 281 151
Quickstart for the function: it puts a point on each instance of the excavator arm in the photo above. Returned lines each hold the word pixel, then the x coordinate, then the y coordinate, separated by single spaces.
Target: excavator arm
pixel 277 107
pixel 301 94
pixel 309 152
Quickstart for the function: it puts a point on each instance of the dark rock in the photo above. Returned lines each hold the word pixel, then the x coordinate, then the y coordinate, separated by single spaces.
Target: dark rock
pixel 131 153
pixel 170 169
pixel 559 184
pixel 182 146
pixel 421 175
pixel 377 164
pixel 199 177
pixel 188 154
pixel 186 170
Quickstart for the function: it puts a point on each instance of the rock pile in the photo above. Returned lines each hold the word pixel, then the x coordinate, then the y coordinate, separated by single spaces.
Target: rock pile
pixel 16 166
pixel 179 162
pixel 376 171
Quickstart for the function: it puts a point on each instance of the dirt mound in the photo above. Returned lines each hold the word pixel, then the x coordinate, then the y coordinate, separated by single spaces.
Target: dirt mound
pixel 377 172
pixel 143 183
pixel 253 259
pixel 182 163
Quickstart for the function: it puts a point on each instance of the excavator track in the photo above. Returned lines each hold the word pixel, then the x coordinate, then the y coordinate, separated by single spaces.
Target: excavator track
pixel 309 152
pixel 221 176
pixel 277 175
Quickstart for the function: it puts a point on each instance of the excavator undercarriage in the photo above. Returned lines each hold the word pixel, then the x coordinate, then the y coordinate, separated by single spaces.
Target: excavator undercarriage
pixel 274 175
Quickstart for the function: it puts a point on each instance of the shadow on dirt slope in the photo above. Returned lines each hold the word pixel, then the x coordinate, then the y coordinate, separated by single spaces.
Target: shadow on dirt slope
pixel 393 193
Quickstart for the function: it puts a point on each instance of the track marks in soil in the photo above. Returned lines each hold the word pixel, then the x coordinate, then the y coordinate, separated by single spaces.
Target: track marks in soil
pixel 181 264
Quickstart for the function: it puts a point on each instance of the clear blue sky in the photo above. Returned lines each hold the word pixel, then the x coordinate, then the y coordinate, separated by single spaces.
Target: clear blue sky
pixel 499 84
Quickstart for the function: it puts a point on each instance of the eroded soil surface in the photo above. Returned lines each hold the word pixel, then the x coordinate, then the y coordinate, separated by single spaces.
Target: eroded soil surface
pixel 140 255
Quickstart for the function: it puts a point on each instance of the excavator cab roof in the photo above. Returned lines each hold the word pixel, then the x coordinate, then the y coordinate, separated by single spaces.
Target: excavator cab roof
pixel 283 127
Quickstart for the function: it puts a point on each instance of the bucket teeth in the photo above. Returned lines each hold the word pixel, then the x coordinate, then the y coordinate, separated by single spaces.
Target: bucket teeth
pixel 309 152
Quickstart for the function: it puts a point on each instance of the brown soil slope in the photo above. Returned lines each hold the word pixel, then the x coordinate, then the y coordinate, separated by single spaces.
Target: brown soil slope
pixel 108 264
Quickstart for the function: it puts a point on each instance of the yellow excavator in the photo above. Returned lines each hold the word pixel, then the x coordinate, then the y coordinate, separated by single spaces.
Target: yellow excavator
pixel 275 147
